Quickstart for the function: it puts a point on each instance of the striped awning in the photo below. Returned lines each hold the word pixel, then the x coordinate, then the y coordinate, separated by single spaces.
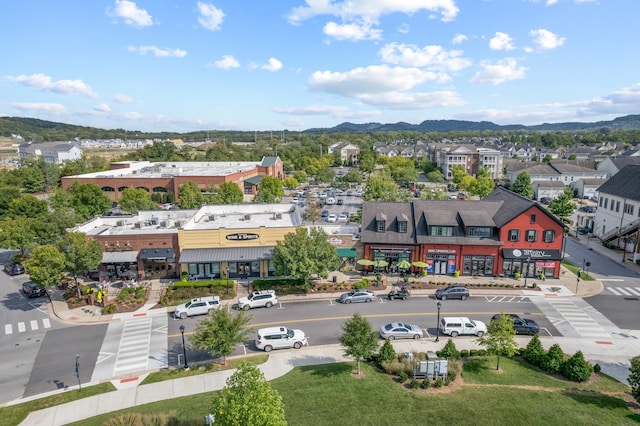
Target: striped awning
pixel 120 257
pixel 235 254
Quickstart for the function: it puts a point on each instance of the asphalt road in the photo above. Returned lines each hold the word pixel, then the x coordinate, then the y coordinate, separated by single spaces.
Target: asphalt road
pixel 321 320
pixel 616 302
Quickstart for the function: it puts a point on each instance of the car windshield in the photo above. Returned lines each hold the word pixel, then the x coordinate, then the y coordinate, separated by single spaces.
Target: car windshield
pixel 388 327
pixel 186 305
pixel 290 333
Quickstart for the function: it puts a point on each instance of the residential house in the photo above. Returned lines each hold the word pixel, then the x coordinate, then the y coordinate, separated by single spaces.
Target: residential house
pixel 348 151
pixel 617 218
pixel 50 152
pixel 613 165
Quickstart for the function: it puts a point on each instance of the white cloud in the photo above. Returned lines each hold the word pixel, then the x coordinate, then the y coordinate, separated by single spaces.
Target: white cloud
pixel 129 12
pixel 210 16
pixel 361 82
pixel 273 65
pixel 42 81
pixel 403 29
pixel 227 62
pixel 351 31
pixel 545 39
pixel 497 73
pixel 102 108
pixel 431 57
pixel 405 100
pixel 123 99
pixel 370 11
pixel 626 101
pixel 46 108
pixel 158 52
pixel 501 41
pixel 459 38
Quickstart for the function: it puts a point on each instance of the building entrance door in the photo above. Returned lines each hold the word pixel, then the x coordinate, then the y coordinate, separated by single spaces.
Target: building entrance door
pixel 440 267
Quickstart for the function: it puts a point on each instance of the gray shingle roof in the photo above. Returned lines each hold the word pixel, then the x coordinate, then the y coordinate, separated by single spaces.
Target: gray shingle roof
pixel 625 183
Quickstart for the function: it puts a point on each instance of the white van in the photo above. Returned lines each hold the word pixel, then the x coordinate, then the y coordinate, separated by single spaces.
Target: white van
pixel 455 326
pixel 280 338
pixel 330 201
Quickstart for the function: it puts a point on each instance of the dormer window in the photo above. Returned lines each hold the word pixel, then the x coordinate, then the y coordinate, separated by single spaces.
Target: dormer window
pixel 402 226
pixel 381 225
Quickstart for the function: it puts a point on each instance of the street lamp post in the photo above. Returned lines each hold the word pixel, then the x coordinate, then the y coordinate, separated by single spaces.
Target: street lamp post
pixel 184 348
pixel 439 305
pixel 78 372
pixel 625 240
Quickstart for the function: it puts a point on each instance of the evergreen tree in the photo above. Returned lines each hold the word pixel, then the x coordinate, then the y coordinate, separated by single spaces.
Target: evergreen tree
pixel 534 353
pixel 634 378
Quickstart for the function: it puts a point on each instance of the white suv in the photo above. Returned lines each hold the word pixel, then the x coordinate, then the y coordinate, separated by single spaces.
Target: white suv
pixel 197 306
pixel 279 338
pixel 258 299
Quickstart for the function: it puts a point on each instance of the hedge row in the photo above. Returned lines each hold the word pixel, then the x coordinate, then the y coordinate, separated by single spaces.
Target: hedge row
pixel 203 283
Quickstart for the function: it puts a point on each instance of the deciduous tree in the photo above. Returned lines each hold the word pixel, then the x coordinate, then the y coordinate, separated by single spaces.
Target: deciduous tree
pixel 18 234
pixel 290 182
pixel 80 254
pixel 221 331
pixel 270 190
pixel 190 196
pixel 562 206
pixel 133 200
pixel 27 206
pixel 88 200
pixel 228 193
pixel 500 340
pixel 248 399
pixel 45 265
pixel 305 252
pixel 358 338
pixel 381 188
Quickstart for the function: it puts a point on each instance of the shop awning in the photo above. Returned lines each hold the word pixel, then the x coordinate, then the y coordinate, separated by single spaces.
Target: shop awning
pixel 531 254
pixel 236 254
pixel 157 254
pixel 120 257
pixel 346 252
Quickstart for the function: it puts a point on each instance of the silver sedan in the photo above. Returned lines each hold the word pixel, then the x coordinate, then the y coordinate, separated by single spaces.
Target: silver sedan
pixel 356 296
pixel 399 330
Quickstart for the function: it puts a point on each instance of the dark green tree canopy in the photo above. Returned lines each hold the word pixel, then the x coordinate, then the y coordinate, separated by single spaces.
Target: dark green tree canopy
pixel 190 196
pixel 522 185
pixel 248 399
pixel 270 190
pixel 562 206
pixel 88 200
pixel 133 200
pixel 304 253
pixel 45 265
pixel 221 331
pixel 228 193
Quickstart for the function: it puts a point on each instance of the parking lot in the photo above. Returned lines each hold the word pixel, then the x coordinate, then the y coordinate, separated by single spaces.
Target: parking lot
pixel 335 203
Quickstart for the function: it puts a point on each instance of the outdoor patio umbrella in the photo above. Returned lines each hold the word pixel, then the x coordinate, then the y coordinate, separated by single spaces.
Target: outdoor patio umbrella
pixel 404 264
pixel 380 263
pixel 419 264
pixel 365 262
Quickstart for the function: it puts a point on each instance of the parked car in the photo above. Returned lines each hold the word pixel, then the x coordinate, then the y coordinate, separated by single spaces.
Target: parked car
pixel 325 213
pixel 340 201
pixel 545 200
pixel 461 196
pixel 588 209
pixel 332 218
pixel 13 268
pixel 399 330
pixel 279 338
pixel 197 306
pixel 455 326
pixel 295 200
pixel 258 299
pixel 356 296
pixel 398 293
pixel 452 292
pixel 343 216
pixel 521 325
pixel 32 289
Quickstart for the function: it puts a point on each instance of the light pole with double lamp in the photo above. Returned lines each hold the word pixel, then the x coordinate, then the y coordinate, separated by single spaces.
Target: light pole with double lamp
pixel 184 348
pixel 439 305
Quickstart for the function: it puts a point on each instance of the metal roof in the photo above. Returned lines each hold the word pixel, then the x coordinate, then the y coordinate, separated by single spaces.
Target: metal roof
pixel 119 257
pixel 232 254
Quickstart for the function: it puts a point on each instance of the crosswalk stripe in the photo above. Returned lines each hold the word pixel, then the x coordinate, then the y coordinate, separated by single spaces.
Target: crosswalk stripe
pixel 46 323
pixel 8 329
pixel 21 327
pixel 34 325
pixel 624 291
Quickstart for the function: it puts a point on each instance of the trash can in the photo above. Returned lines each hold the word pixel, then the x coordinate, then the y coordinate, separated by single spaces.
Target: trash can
pixel 335 279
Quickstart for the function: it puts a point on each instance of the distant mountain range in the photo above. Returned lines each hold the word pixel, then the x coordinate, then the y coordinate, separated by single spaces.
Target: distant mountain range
pixel 629 122
pixel 35 129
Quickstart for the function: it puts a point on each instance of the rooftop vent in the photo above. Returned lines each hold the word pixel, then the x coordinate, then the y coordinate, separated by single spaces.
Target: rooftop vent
pixel 212 218
pixel 247 217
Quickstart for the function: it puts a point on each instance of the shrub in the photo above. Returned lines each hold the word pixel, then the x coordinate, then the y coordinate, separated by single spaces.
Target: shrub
pixel 426 383
pixel 473 352
pixel 403 376
pixel 392 367
pixel 553 359
pixel 450 377
pixel 516 275
pixel 577 368
pixel 109 309
pixel 439 383
pixel 415 384
pixel 534 285
pixel 386 353
pixel 534 352
pixel 464 353
pixel 597 368
pixel 449 351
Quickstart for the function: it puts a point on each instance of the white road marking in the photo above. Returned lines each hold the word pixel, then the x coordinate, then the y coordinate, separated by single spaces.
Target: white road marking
pixel 34 325
pixel 21 327
pixel 8 329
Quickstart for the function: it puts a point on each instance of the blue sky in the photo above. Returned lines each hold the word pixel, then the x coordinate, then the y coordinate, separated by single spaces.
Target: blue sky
pixel 182 65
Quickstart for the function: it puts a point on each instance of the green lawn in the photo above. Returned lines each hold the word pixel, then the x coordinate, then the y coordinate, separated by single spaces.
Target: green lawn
pixel 329 395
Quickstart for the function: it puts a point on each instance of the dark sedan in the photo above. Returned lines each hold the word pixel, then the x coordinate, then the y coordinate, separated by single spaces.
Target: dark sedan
pixel 521 325
pixel 32 289
pixel 13 268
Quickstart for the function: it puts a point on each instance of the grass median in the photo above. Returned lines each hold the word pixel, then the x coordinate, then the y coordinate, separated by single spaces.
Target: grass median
pixel 330 395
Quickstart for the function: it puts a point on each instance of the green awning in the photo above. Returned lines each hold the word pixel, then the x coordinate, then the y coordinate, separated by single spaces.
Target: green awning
pixel 346 252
